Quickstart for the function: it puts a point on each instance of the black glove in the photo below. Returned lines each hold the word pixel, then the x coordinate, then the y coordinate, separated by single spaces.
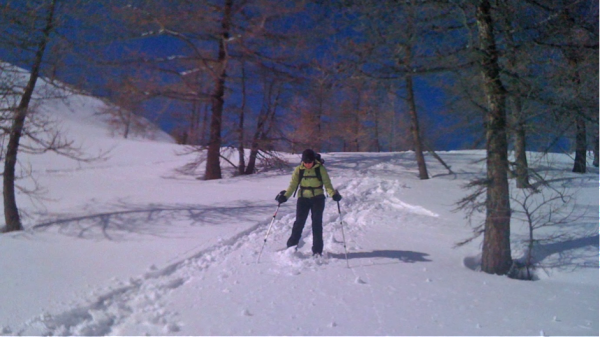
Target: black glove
pixel 336 196
pixel 281 198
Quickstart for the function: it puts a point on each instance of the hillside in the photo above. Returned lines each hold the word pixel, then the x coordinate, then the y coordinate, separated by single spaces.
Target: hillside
pixel 127 246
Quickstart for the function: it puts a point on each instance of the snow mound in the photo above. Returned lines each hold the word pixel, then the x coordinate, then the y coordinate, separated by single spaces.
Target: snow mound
pixel 78 116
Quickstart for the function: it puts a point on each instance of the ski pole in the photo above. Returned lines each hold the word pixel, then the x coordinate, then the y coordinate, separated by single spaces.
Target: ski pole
pixel 343 236
pixel 268 231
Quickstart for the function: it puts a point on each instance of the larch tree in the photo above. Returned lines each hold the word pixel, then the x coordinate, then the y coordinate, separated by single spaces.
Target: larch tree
pixel 272 92
pixel 402 43
pixel 515 67
pixel 212 39
pixel 496 251
pixel 41 30
pixel 37 35
pixel 569 87
pixel 576 56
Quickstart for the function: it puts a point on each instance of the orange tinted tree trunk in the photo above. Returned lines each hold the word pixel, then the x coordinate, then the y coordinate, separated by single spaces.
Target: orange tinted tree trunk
pixel 213 166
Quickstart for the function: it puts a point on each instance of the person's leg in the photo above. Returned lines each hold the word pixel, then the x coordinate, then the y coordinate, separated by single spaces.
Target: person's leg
pixel 317 208
pixel 302 209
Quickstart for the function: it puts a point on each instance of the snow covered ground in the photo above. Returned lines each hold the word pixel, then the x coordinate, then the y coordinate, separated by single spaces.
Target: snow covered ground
pixel 128 246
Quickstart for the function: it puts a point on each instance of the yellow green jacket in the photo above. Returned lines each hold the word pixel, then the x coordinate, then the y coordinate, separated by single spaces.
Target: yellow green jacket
pixel 310 186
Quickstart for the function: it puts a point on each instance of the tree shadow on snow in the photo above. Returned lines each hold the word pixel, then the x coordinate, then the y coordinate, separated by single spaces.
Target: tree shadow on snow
pixel 573 253
pixel 131 222
pixel 404 256
pixel 585 181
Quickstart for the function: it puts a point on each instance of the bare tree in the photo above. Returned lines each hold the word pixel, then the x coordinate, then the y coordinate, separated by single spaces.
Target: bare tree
pixel 406 61
pixel 401 43
pixel 569 32
pixel 11 212
pixel 124 108
pixel 213 166
pixel 539 207
pixel 496 252
pixel 212 40
pixel 241 151
pixel 31 32
pixel 514 68
pixel 265 120
pixel 357 116
pixel 303 121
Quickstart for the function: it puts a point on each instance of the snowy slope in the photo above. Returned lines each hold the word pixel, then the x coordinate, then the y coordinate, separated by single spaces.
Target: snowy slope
pixel 74 114
pixel 127 246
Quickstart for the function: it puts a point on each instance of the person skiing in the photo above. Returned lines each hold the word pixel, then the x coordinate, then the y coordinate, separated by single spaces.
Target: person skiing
pixel 310 177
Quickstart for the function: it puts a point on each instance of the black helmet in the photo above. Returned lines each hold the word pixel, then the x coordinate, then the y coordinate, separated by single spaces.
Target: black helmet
pixel 308 156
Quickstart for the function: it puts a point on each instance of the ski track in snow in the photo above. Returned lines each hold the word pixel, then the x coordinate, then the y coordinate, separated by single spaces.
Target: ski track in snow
pixel 141 301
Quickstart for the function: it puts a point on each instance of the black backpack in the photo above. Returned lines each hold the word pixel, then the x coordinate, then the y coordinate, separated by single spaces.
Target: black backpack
pixel 319 159
pixel 317 172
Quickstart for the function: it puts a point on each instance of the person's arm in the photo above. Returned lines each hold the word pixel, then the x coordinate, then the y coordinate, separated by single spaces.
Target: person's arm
pixel 293 183
pixel 327 181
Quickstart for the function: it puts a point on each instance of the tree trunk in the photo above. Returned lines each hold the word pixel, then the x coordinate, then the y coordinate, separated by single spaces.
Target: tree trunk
pixel 596 144
pixel 496 255
pixel 579 166
pixel 263 127
pixel 258 136
pixel 319 141
pixel 252 158
pixel 213 166
pixel 517 119
pixel 414 129
pixel 580 146
pixel 241 156
pixel 11 212
pixel 357 121
pixel 202 140
pixel 520 144
pixel 412 106
pixel 574 57
pixel 194 123
pixel 128 118
pixel 376 136
pixel 357 133
pixel 393 124
pixel 255 146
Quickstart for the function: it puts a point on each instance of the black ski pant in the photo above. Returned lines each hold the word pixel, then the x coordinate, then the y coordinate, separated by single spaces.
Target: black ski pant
pixel 315 205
